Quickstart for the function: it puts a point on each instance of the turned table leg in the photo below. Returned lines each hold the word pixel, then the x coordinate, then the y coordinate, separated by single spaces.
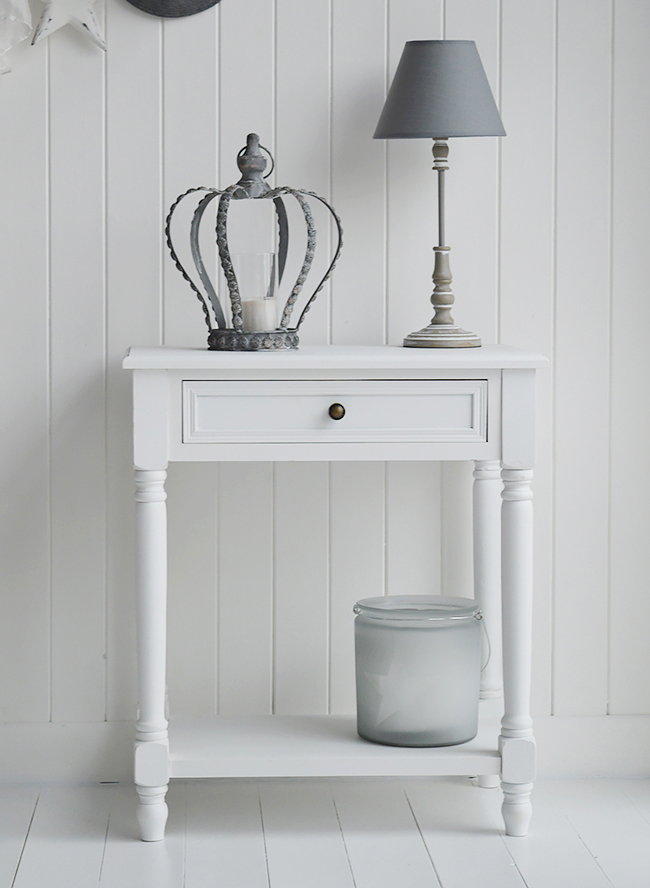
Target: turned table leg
pixel 151 746
pixel 516 742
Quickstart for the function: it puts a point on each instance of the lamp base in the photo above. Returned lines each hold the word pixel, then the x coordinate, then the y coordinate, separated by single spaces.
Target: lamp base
pixel 442 336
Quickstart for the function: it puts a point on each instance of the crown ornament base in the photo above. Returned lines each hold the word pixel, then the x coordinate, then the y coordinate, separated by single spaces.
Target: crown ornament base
pixel 442 336
pixel 234 340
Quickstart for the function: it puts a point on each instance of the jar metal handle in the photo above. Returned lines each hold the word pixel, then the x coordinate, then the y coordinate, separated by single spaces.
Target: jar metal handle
pixel 479 616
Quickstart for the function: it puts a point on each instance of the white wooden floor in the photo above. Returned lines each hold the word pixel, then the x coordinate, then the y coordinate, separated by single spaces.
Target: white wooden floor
pixel 327 834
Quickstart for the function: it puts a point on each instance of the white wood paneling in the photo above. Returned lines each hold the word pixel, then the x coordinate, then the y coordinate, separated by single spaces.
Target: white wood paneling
pixel 358 170
pixel 192 556
pixel 456 567
pixel 24 393
pixel 247 79
pixel 78 424
pixel 95 148
pixel 245 607
pixel 301 586
pixel 630 479
pixel 582 376
pixel 413 558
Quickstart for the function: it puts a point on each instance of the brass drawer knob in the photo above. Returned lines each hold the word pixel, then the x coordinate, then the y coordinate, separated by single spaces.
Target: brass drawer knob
pixel 337 411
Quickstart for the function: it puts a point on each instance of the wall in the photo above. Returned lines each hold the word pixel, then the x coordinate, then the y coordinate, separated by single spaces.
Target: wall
pixel 548 229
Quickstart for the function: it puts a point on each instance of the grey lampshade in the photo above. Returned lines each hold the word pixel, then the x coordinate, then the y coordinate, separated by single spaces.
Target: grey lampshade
pixel 439 90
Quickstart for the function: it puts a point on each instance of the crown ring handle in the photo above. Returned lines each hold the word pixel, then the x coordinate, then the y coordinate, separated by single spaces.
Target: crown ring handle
pixel 242 150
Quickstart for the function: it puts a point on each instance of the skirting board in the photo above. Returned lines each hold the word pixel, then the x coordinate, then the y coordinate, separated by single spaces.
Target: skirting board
pixel 90 752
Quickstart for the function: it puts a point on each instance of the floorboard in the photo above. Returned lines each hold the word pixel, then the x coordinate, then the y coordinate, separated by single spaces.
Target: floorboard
pixel 383 840
pixel 67 838
pixel 638 792
pixel 611 827
pixel 328 833
pixel 224 841
pixel 304 842
pixel 17 806
pixel 460 834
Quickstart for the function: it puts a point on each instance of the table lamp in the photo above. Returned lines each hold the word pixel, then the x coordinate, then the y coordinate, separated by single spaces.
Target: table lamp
pixel 440 91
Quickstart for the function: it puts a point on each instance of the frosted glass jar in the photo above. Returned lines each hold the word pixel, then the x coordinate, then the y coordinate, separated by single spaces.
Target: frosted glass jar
pixel 418 666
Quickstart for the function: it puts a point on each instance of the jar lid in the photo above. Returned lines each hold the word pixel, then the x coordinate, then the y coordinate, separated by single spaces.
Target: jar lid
pixel 418 607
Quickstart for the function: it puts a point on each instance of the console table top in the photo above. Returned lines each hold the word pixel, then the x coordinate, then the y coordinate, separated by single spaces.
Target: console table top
pixel 333 357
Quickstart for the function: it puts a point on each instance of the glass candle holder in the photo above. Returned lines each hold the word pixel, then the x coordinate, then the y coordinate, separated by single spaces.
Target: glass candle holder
pixel 257 276
pixel 418 666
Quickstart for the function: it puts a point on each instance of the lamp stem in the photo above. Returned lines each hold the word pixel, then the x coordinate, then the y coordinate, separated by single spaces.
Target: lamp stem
pixel 442 332
pixel 442 298
pixel 441 207
pixel 440 164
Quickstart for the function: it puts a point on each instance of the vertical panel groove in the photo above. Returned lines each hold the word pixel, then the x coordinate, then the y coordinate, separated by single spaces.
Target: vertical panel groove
pixel 105 355
pixel 48 265
pixel 385 519
pixel 387 22
pixel 328 592
pixel 610 357
pixel 217 493
pixel 274 587
pixel 161 156
pixel 330 146
pixel 554 353
pixel 499 244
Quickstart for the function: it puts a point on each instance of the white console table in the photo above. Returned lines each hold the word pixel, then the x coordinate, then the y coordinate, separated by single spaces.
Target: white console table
pixel 397 404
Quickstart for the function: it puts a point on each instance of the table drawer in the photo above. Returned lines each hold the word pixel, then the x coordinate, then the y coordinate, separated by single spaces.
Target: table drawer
pixel 436 410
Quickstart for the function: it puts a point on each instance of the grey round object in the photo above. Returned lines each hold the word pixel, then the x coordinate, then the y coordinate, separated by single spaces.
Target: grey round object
pixel 173 8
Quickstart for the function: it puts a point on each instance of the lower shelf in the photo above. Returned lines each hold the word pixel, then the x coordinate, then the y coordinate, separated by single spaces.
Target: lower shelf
pixel 319 746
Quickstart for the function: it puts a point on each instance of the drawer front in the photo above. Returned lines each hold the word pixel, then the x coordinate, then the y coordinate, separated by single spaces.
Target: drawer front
pixel 436 410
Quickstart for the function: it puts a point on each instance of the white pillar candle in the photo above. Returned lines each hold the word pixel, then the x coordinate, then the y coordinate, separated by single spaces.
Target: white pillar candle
pixel 257 279
pixel 259 314
pixel 418 669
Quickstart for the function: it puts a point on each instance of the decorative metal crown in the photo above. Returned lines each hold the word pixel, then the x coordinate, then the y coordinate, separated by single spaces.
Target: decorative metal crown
pixel 252 165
